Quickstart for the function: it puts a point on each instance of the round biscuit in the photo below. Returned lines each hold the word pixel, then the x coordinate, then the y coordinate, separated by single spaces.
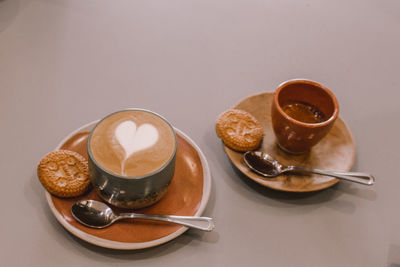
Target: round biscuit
pixel 64 173
pixel 239 130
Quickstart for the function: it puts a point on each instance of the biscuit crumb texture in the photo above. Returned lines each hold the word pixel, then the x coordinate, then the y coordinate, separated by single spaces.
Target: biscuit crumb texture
pixel 239 130
pixel 64 173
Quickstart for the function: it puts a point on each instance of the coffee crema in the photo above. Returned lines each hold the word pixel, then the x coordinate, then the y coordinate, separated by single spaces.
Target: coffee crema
pixel 132 143
pixel 303 112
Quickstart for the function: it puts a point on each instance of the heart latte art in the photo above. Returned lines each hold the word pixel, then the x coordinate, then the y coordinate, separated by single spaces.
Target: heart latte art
pixel 132 143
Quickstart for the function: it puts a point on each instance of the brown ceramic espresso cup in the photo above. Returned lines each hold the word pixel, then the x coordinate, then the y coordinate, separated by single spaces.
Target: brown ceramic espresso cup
pixel 303 112
pixel 132 158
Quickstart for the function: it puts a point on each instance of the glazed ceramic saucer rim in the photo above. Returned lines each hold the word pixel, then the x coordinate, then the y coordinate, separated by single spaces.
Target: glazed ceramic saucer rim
pixel 135 245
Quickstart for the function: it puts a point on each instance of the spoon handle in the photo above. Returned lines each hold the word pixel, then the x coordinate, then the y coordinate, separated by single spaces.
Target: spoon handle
pixel 357 177
pixel 201 223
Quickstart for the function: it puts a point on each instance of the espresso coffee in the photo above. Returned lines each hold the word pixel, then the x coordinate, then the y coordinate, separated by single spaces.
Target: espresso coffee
pixel 132 143
pixel 303 112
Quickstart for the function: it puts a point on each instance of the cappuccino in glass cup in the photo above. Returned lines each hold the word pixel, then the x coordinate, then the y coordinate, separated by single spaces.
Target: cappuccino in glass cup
pixel 132 158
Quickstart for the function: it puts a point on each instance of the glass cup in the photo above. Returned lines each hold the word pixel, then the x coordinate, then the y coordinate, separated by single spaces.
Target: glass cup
pixel 127 136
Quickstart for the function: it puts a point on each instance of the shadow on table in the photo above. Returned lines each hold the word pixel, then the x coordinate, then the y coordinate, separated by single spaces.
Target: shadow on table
pixel 192 238
pixel 8 12
pixel 330 196
pixel 394 256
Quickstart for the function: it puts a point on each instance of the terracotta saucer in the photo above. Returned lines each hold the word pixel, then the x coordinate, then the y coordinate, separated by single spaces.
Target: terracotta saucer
pixel 335 152
pixel 187 195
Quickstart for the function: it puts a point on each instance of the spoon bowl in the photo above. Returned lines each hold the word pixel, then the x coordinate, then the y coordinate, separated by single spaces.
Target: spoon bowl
pixel 96 214
pixel 265 165
pixel 262 163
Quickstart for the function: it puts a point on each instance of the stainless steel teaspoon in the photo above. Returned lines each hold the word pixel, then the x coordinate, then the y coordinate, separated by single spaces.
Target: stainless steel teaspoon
pixel 265 165
pixel 96 214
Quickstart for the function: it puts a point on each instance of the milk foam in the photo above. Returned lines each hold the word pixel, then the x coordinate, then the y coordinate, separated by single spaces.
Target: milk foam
pixel 133 138
pixel 132 143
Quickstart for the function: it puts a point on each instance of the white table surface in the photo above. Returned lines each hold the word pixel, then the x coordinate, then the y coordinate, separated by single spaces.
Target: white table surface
pixel 64 63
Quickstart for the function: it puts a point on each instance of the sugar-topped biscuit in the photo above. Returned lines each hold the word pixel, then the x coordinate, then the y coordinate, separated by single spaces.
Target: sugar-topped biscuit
pixel 239 130
pixel 64 173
